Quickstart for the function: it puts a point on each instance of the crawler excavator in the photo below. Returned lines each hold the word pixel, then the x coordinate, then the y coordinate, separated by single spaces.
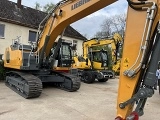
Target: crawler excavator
pixel 30 65
pixel 96 52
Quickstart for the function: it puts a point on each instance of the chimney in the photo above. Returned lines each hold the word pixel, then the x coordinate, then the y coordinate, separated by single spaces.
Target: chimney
pixel 19 3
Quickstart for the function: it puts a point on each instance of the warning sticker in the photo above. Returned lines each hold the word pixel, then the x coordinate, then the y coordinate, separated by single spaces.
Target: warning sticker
pixel 126 62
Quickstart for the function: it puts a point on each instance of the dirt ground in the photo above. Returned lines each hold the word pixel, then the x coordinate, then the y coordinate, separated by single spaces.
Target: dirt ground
pixel 91 102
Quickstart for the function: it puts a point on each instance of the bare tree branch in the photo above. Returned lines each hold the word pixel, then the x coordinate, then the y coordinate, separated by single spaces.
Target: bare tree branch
pixel 114 24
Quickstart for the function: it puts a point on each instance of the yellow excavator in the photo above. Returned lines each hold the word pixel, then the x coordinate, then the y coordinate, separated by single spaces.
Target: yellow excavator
pixel 95 62
pixel 30 65
pixel 115 43
pixel 93 52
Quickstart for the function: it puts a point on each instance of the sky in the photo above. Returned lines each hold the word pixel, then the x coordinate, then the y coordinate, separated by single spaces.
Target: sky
pixel 92 22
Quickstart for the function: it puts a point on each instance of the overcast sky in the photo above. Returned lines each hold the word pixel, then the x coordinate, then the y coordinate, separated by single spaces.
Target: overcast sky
pixel 90 24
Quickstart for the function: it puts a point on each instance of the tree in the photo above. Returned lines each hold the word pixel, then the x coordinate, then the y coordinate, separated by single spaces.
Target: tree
pixel 48 7
pixel 37 6
pixel 111 25
pixel 45 8
pixel 100 34
pixel 106 27
pixel 120 21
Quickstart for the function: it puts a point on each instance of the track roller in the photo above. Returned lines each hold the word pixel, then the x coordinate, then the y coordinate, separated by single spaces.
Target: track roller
pixel 26 85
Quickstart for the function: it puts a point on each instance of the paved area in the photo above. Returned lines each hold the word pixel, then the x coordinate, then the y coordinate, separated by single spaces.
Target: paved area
pixel 92 102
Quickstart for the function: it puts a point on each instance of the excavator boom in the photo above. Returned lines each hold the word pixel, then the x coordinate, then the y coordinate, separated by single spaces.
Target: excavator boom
pixel 140 58
pixel 65 13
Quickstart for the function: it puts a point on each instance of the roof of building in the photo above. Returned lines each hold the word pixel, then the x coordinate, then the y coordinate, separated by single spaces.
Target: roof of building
pixel 29 17
pixel 70 32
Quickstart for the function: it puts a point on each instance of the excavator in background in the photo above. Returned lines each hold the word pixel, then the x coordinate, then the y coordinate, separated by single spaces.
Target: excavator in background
pixel 95 62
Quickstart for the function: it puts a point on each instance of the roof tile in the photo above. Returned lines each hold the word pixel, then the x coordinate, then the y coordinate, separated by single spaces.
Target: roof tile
pixel 26 16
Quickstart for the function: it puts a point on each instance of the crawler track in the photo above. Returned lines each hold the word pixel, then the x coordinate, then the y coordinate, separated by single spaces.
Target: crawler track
pixel 71 83
pixel 30 86
pixel 26 85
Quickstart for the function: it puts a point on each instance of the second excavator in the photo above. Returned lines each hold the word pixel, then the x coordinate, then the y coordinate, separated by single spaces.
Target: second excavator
pixel 98 55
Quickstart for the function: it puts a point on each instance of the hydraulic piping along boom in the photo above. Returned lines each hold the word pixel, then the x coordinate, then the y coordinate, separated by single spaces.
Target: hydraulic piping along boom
pixel 138 72
pixel 144 42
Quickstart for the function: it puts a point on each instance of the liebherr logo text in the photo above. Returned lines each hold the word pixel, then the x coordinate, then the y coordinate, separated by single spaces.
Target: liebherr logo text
pixel 79 3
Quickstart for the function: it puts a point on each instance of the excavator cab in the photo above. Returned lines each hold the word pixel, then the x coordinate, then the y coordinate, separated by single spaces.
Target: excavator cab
pixel 99 59
pixel 104 56
pixel 64 55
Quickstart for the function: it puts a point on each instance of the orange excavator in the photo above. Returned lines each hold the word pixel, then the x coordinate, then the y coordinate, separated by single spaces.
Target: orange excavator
pixel 30 65
pixel 140 58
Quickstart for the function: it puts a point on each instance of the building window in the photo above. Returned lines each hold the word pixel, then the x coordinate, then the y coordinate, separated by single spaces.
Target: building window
pixel 32 36
pixel 74 44
pixel 2 28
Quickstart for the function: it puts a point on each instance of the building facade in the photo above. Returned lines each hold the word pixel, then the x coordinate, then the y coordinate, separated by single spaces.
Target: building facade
pixel 20 21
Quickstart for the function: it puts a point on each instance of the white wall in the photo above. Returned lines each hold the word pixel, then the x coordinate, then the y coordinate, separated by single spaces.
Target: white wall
pixel 12 31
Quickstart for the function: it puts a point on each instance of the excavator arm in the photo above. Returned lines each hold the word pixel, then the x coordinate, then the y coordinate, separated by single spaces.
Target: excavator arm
pixel 115 42
pixel 95 42
pixel 140 58
pixel 63 14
